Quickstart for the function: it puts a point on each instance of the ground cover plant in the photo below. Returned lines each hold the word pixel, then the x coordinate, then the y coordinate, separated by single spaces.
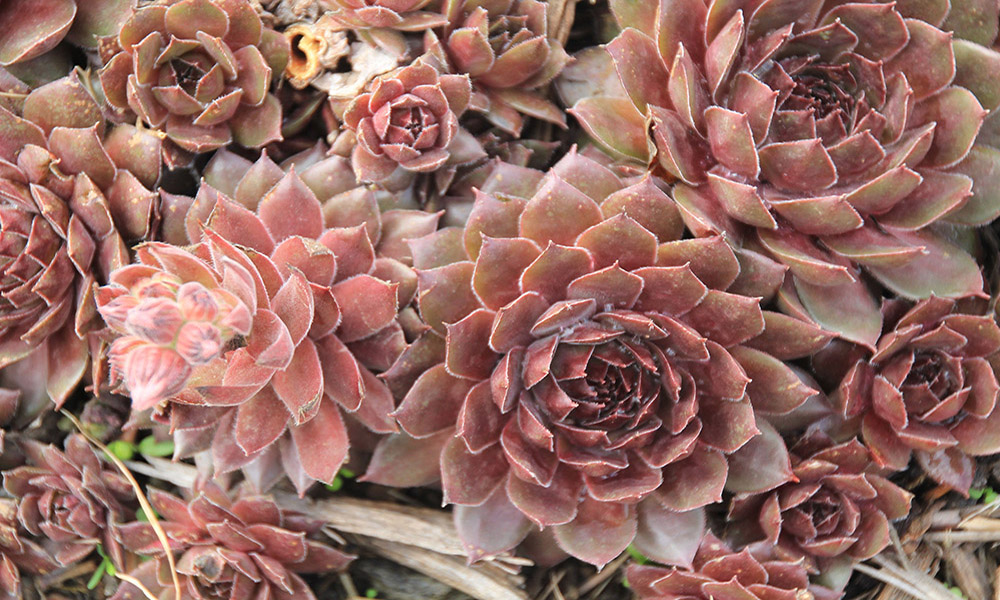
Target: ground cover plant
pixel 509 299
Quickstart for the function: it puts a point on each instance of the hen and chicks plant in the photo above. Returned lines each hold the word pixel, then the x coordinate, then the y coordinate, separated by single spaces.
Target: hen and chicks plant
pixel 709 320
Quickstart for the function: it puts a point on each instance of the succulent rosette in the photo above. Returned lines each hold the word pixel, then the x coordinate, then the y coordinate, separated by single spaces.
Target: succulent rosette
pixel 253 341
pixel 200 71
pixel 233 549
pixel 70 499
pixel 929 390
pixel 833 136
pixel 836 506
pixel 504 47
pixel 718 573
pixel 18 553
pixel 584 368
pixel 408 122
pixel 70 191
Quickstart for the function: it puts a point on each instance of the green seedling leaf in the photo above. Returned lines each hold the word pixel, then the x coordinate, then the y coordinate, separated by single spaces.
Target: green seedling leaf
pixel 150 447
pixel 98 574
pixel 122 449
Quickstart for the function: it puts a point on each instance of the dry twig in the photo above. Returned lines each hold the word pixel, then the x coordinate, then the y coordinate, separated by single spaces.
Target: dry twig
pixel 485 582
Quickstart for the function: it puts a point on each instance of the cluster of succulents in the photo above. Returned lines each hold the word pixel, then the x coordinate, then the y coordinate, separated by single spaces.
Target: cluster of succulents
pixel 701 291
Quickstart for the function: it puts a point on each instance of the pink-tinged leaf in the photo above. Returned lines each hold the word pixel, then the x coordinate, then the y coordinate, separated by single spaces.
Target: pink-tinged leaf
pixel 294 306
pixel 822 215
pixel 720 376
pixel 649 206
pixel 433 403
pixel 300 385
pixel 558 213
pixel 669 537
pixel 630 484
pixel 367 304
pixel 615 124
pixel 513 325
pixel 687 90
pixel 226 453
pixel 186 18
pixel 446 294
pixel 321 443
pixel 554 269
pixel 978 436
pixel 886 447
pixel 726 318
pixel 527 459
pixel 880 28
pixel 561 316
pixel 977 65
pixel 63 102
pixel 957 116
pixel 724 43
pixel 376 408
pixel 587 175
pixel 31 28
pixel 937 195
pixel 600 532
pixel 491 528
pixel 234 222
pixel 674 27
pixel 761 464
pixel 547 506
pixel 846 309
pixel 260 421
pixel 492 217
pixel 694 481
pixel 499 267
pixel 611 286
pixel 732 141
pixel 680 150
pixel 80 151
pixel 269 343
pixel 669 290
pixel 469 479
pixel 741 201
pixel 731 424
pixel 873 535
pixel 620 239
pixel 321 559
pixel 943 269
pixel 948 466
pixel 640 68
pixel 290 208
pixel 257 126
pixel 927 61
pixel 774 386
pixel 68 358
pixel 982 164
pixel 341 373
pixel 352 248
pixel 804 258
pixel 869 245
pixel 802 165
pixel 402 461
pixel 480 421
